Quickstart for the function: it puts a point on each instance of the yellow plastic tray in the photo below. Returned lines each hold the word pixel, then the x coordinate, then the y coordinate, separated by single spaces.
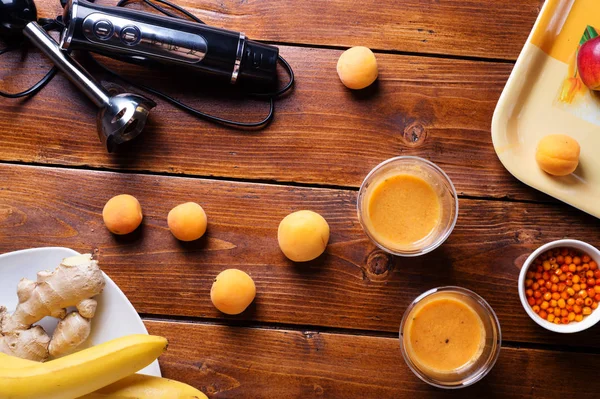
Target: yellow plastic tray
pixel 543 96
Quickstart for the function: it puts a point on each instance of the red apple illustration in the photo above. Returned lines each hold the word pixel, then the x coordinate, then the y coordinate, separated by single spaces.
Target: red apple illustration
pixel 588 63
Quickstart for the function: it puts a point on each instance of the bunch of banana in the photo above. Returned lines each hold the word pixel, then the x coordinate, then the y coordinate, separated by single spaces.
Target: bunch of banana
pixel 103 371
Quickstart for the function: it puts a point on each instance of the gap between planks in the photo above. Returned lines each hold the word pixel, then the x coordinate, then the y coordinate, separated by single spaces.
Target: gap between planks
pixel 281 183
pixel 310 329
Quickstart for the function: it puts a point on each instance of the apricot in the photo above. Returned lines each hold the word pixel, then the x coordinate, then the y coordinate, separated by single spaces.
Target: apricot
pixel 558 154
pixel 303 235
pixel 232 291
pixel 122 214
pixel 357 68
pixel 187 222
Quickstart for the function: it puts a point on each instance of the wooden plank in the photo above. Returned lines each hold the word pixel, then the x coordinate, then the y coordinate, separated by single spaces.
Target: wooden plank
pixel 322 133
pixel 479 28
pixel 352 286
pixel 230 362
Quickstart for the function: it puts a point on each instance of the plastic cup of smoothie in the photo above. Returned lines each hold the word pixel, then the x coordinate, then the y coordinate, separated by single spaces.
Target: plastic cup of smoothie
pixel 407 206
pixel 450 337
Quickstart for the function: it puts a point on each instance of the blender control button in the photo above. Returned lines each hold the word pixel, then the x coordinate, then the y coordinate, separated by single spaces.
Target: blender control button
pixel 103 30
pixel 130 35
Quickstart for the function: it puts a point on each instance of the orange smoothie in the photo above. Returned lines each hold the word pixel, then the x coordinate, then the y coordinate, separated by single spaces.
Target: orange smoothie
pixel 402 209
pixel 444 335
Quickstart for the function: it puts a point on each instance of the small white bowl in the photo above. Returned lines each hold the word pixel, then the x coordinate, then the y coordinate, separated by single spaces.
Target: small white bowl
pixel 572 327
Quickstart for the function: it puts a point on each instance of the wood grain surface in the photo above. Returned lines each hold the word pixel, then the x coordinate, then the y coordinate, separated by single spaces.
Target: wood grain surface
pixel 230 362
pixel 352 286
pixel 477 28
pixel 322 134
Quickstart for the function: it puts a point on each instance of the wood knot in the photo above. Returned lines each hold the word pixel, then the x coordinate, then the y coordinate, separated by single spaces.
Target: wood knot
pixel 379 264
pixel 414 134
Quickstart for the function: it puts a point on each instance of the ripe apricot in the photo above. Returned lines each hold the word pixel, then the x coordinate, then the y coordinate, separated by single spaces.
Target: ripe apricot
pixel 303 235
pixel 122 214
pixel 357 67
pixel 232 291
pixel 558 154
pixel 187 221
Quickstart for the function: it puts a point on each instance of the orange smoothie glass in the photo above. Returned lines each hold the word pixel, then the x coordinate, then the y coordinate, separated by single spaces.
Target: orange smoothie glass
pixel 450 337
pixel 407 206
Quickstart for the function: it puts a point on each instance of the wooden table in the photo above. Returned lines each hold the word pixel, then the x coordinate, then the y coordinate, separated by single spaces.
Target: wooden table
pixel 328 328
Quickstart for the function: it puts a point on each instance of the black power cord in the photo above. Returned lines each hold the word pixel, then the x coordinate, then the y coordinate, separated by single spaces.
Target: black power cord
pixel 47 25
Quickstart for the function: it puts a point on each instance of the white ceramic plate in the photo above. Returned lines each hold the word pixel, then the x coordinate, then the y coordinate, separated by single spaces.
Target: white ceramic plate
pixel 114 318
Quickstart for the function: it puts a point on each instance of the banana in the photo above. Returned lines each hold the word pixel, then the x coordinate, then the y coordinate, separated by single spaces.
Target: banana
pixel 82 372
pixel 136 386
pixel 147 387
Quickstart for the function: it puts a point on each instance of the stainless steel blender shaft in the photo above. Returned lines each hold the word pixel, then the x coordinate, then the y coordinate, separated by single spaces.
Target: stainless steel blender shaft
pixel 120 117
pixel 75 72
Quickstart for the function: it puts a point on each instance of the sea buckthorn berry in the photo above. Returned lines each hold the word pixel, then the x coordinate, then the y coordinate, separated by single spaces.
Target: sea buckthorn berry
pixel 572 268
pixel 555 295
pixel 547 296
pixel 564 295
pixel 568 260
pixel 562 287
pixel 586 258
pixel 528 282
pixel 591 281
pixel 546 265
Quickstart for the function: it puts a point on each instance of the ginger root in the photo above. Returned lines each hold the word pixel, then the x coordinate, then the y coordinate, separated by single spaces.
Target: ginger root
pixel 73 283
